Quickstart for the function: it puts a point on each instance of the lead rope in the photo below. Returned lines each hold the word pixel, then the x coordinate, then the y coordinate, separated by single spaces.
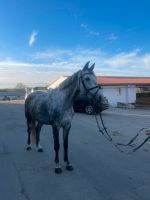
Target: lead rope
pixel 130 143
pixel 105 133
pixel 138 147
pixel 104 130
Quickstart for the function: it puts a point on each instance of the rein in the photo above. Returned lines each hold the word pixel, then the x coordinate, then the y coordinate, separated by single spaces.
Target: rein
pixel 130 143
pixel 105 133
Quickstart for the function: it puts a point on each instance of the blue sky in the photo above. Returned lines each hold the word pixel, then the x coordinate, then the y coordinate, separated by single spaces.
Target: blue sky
pixel 43 39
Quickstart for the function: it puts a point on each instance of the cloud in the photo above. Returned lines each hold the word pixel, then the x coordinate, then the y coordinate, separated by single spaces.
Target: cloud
pixel 32 38
pixel 95 33
pixel 112 37
pixel 90 31
pixel 122 64
pixel 49 65
pixel 83 26
pixel 31 73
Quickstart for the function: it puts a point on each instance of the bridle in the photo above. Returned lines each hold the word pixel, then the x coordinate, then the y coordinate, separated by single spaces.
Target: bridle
pixel 88 90
pixel 103 130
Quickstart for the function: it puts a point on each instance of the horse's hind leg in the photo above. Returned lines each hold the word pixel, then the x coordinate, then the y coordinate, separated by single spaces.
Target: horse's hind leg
pixel 38 129
pixel 29 128
pixel 66 130
pixel 58 169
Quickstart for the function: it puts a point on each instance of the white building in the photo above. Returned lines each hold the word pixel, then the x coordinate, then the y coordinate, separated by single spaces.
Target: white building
pixel 123 94
pixel 118 90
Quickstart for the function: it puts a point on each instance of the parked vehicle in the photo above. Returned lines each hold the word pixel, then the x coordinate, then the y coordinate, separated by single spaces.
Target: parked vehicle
pixel 6 98
pixel 83 104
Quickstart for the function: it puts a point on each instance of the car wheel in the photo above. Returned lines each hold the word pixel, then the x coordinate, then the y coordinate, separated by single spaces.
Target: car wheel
pixel 89 109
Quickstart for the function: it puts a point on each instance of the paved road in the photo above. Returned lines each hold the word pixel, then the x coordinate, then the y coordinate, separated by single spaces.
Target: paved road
pixel 101 172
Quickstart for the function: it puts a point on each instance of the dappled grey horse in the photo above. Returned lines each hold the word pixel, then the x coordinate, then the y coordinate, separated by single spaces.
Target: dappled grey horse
pixel 55 108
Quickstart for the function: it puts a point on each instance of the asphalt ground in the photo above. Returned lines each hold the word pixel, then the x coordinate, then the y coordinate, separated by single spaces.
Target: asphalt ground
pixel 101 172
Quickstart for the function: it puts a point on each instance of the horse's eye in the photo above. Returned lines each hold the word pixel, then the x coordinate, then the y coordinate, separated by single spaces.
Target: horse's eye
pixel 87 79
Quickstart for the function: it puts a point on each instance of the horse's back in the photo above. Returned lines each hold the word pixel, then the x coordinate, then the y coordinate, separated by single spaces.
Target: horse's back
pixel 34 103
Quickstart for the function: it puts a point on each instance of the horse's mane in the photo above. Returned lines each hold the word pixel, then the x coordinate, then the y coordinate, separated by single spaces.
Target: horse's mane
pixel 70 80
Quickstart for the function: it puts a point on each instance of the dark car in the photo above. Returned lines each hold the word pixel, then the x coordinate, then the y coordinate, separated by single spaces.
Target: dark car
pixel 83 104
pixel 6 98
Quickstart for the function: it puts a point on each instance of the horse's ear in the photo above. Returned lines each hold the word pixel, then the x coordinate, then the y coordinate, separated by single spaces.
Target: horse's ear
pixel 92 67
pixel 86 65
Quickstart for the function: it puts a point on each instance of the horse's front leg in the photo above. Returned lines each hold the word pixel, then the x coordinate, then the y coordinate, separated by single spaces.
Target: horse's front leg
pixel 58 169
pixel 66 130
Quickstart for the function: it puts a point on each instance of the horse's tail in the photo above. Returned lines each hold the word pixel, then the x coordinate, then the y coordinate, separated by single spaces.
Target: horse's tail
pixel 33 134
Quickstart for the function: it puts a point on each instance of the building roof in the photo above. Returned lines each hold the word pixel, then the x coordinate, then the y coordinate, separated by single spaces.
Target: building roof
pixel 55 83
pixel 110 80
pixel 115 80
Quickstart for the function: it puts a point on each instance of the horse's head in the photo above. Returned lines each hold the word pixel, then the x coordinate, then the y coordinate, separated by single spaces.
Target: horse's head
pixel 88 83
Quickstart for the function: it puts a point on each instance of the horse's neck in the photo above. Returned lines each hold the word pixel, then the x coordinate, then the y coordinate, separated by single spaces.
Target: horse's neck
pixel 72 90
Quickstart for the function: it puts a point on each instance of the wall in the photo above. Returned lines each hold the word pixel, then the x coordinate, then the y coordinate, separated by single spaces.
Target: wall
pixel 123 94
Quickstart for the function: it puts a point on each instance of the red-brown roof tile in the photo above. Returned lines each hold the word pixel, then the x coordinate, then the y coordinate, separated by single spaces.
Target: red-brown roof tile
pixel 110 80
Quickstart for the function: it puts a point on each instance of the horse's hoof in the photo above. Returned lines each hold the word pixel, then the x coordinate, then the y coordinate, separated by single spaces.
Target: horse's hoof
pixel 40 150
pixel 28 148
pixel 58 170
pixel 69 167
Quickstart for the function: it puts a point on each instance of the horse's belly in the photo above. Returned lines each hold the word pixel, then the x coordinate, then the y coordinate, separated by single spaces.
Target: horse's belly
pixel 43 118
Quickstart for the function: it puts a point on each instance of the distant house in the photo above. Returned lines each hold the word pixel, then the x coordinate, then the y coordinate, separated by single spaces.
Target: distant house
pixel 120 90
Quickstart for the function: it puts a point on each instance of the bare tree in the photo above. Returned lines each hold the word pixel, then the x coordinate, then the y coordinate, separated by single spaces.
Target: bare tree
pixel 20 86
